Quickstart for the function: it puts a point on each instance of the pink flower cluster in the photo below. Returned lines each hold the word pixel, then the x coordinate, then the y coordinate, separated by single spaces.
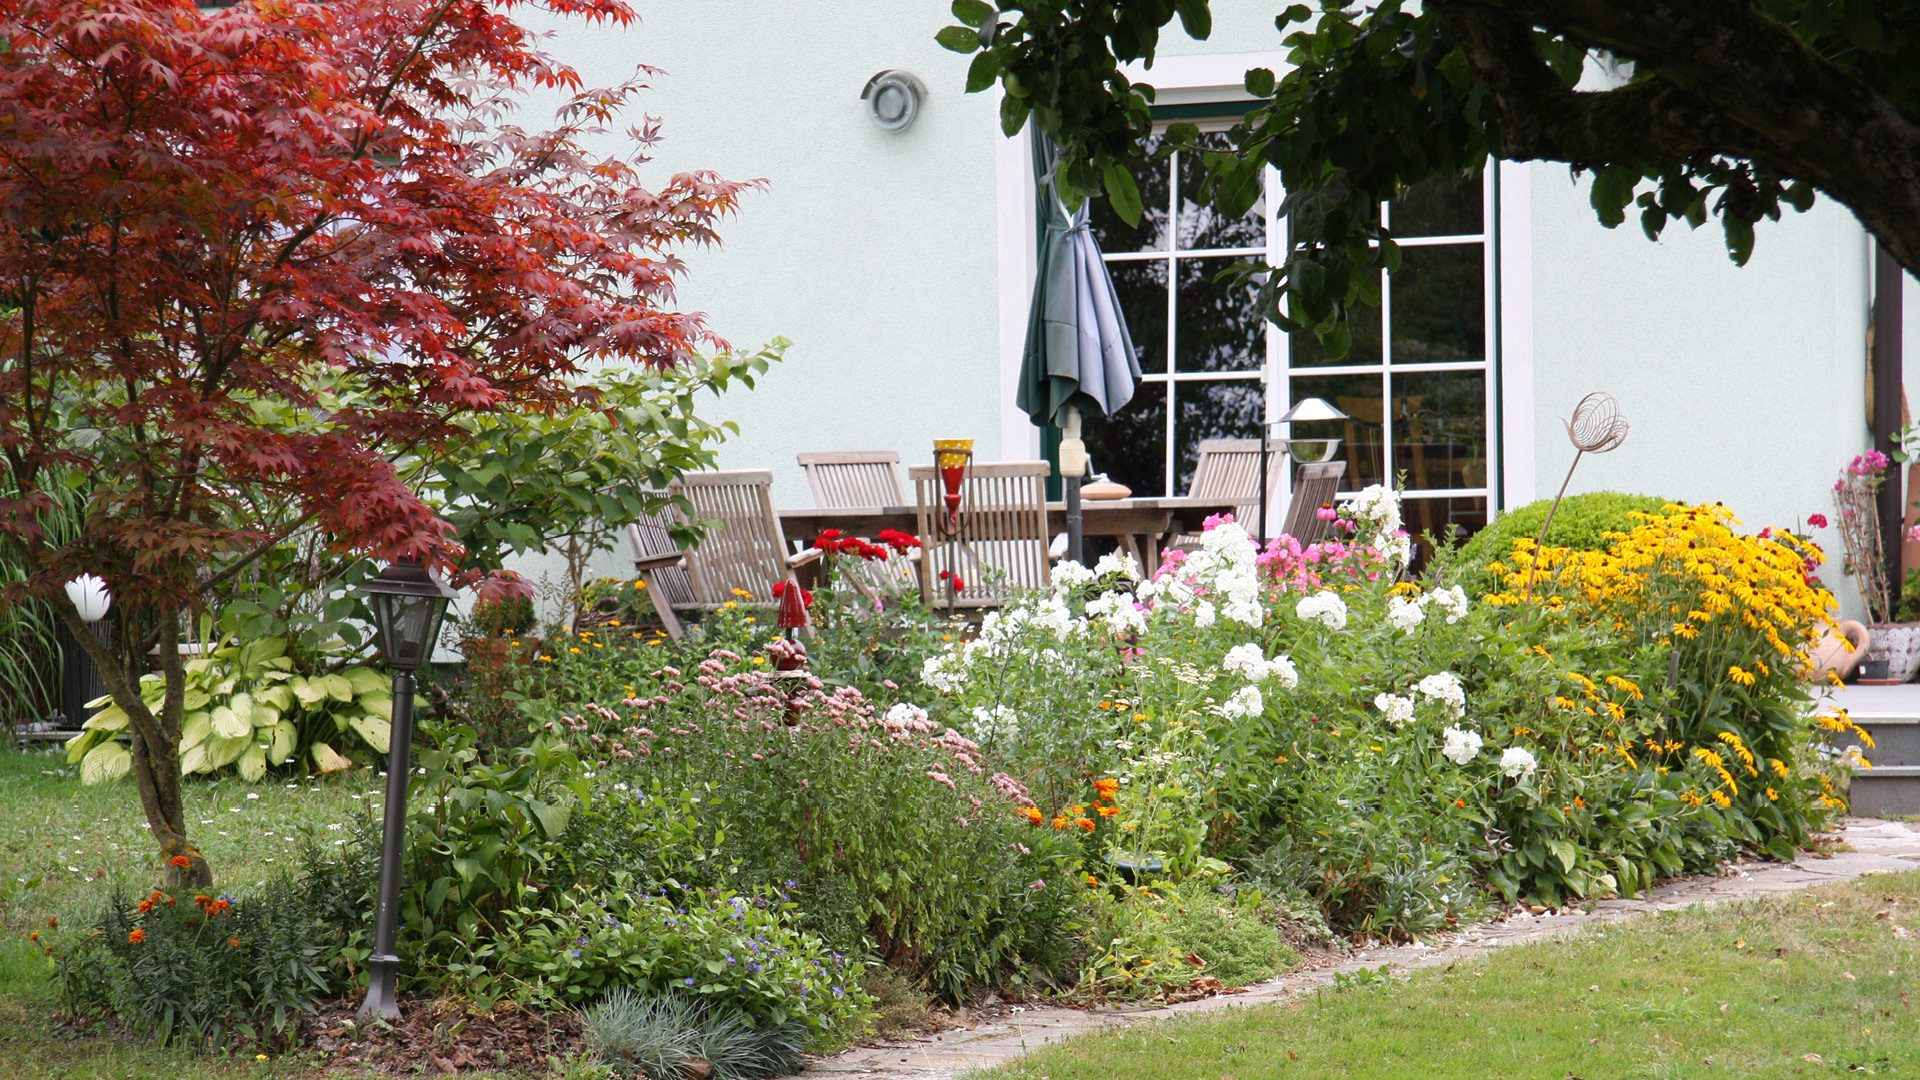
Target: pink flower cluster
pixel 1869 463
pixel 1312 567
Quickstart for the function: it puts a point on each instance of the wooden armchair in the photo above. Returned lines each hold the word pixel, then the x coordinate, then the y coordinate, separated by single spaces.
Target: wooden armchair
pixel 747 551
pixel 1001 544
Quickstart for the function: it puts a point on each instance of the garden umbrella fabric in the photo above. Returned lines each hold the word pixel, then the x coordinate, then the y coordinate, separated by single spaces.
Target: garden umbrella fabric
pixel 1078 352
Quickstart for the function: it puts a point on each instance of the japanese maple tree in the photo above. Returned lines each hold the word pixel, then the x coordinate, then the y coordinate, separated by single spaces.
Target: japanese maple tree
pixel 201 210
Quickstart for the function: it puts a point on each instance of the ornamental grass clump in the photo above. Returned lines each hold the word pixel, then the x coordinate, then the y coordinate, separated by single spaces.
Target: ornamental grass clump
pixel 674 1037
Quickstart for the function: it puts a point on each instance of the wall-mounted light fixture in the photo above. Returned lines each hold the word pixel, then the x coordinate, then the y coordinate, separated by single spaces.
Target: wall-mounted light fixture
pixel 893 97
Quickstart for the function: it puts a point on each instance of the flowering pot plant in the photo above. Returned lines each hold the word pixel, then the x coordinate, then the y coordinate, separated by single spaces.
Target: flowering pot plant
pixel 1894 650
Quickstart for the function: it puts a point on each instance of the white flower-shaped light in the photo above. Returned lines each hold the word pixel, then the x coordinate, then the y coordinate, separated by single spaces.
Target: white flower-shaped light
pixel 89 596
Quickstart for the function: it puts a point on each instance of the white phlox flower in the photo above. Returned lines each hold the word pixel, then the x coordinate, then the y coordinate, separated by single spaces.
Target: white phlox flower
pixel 1462 745
pixel 1451 601
pixel 1445 686
pixel 1517 762
pixel 1325 608
pixel 1245 702
pixel 1398 710
pixel 1404 614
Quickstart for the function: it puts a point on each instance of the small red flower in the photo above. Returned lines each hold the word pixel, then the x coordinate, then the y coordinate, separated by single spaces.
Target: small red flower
pixel 780 590
pixel 899 541
pixel 953 579
pixel 145 906
pixel 136 937
pixel 53 923
pixel 1818 521
pixel 181 861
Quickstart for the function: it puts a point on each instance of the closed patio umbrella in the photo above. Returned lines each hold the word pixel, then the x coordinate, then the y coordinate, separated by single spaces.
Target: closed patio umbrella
pixel 1078 356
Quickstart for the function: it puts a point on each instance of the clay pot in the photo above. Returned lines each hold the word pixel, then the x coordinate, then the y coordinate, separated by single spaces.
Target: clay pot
pixel 1899 645
pixel 1837 650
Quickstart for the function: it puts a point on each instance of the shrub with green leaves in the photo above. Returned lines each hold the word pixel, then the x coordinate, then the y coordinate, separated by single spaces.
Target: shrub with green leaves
pixel 247 708
pixel 204 969
pixel 1581 524
pixel 1141 941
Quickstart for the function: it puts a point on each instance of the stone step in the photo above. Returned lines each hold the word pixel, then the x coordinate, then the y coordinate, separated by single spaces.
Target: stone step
pixel 1896 741
pixel 1885 791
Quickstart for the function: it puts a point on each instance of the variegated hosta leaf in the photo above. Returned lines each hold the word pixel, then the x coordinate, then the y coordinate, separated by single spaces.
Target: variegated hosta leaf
pixel 366 680
pixel 308 691
pixel 195 728
pixel 326 760
pixel 229 724
pixel 339 687
pixel 281 748
pixel 252 764
pixel 222 751
pixel 378 733
pixel 111 718
pixel 108 761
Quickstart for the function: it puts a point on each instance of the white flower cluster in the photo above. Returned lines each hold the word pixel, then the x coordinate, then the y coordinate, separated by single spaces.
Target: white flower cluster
pixel 1398 710
pixel 998 722
pixel 1377 505
pixel 1452 602
pixel 1001 634
pixel 1517 762
pixel 1245 702
pixel 1224 571
pixel 904 715
pixel 1117 610
pixel 1462 745
pixel 1247 661
pixel 1324 607
pixel 1117 562
pixel 1404 614
pixel 1446 687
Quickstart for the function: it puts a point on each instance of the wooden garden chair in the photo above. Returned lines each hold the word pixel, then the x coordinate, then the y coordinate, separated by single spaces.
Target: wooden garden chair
pixel 1229 469
pixel 849 479
pixel 746 551
pixel 1001 544
pixel 1315 484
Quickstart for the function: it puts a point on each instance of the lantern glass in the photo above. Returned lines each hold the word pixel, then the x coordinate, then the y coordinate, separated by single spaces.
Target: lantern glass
pixel 407 605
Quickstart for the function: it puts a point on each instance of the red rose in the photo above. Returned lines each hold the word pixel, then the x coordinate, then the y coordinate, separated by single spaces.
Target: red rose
pixel 898 541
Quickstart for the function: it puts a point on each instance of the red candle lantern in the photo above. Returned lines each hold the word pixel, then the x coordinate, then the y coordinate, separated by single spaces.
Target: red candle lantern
pixel 951 457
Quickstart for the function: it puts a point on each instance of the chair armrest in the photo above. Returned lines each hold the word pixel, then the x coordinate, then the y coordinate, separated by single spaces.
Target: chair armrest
pixel 659 562
pixel 802 558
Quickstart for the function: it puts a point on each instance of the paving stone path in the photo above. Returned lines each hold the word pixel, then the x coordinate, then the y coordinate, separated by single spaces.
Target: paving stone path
pixel 1877 847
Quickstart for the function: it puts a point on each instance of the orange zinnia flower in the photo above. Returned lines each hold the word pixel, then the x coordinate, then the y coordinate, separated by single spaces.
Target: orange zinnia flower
pixel 1085 823
pixel 1107 788
pixel 1059 821
pixel 180 860
pixel 1108 811
pixel 202 900
pixel 145 906
pixel 136 937
pixel 1033 814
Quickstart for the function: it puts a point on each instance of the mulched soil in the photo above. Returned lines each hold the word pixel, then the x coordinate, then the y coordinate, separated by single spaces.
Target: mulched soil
pixel 437 1037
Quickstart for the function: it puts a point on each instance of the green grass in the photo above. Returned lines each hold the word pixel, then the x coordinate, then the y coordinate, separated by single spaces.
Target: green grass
pixel 62 846
pixel 1818 984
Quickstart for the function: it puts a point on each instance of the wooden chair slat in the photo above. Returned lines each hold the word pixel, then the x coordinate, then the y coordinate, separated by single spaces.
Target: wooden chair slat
pixel 1315 483
pixel 1002 541
pixel 842 479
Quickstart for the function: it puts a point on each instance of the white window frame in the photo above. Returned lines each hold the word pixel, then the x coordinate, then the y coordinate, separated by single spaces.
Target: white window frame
pixel 1506 265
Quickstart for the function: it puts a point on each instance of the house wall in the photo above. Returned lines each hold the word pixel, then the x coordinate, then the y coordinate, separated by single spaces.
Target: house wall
pixel 894 262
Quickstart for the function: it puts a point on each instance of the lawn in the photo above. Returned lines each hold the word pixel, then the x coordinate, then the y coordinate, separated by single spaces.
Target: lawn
pixel 63 845
pixel 1819 984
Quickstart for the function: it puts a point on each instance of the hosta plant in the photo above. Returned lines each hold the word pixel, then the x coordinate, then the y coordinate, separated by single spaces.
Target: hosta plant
pixel 247 708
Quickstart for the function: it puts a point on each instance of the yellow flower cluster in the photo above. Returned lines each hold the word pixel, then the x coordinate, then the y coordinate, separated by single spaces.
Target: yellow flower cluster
pixel 1680 575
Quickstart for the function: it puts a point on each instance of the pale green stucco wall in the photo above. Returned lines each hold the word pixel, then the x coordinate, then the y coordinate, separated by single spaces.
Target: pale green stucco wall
pixel 877 254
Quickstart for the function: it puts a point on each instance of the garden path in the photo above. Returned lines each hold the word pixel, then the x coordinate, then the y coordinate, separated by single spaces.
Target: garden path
pixel 1867 846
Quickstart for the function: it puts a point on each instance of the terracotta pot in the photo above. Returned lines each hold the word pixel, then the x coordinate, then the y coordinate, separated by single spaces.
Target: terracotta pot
pixel 1836 651
pixel 1899 645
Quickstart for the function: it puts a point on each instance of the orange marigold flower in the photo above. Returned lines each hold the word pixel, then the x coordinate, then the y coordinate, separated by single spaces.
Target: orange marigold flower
pixel 180 861
pixel 217 907
pixel 1461 803
pixel 202 900
pixel 35 936
pixel 234 941
pixel 145 906
pixel 53 922
pixel 1107 788
pixel 1033 814
pixel 1085 823
pixel 1107 811
pixel 137 936
pixel 1059 821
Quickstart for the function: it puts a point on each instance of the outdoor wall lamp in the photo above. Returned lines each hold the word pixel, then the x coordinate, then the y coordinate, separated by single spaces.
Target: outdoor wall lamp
pixel 893 97
pixel 1306 411
pixel 407 604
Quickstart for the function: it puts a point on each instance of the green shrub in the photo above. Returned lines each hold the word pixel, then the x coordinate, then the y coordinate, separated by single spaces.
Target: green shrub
pixel 677 1038
pixel 1141 941
pixel 1580 524
pixel 205 968
pixel 732 952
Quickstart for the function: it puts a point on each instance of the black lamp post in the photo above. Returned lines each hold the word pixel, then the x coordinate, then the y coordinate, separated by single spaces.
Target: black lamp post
pixel 1312 410
pixel 407 605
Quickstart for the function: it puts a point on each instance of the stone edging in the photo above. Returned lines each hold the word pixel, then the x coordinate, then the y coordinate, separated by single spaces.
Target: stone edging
pixel 1877 847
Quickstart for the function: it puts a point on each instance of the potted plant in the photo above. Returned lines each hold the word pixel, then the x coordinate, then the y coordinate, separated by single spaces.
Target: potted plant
pixel 1893 653
pixel 501 624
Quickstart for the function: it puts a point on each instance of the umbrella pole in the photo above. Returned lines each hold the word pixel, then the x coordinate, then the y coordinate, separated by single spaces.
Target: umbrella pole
pixel 1073 467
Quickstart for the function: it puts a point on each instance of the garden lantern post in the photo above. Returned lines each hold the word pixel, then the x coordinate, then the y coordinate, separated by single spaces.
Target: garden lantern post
pixel 407 604
pixel 1311 410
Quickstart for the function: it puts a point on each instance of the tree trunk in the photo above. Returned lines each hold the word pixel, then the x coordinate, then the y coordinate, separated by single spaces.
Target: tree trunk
pixel 155 742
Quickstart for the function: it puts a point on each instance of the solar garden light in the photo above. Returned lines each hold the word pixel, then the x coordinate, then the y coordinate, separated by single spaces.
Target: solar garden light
pixel 407 604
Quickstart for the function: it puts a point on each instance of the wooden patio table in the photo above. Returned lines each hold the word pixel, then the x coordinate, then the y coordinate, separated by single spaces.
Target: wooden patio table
pixel 1139 524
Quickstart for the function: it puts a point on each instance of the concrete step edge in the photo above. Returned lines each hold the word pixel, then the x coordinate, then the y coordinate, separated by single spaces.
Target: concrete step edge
pixel 1887 772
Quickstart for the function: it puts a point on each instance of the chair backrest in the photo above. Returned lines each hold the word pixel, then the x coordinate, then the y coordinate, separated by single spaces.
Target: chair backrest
pixel 671 587
pixel 1001 544
pixel 747 550
pixel 1230 469
pixel 842 479
pixel 1315 483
